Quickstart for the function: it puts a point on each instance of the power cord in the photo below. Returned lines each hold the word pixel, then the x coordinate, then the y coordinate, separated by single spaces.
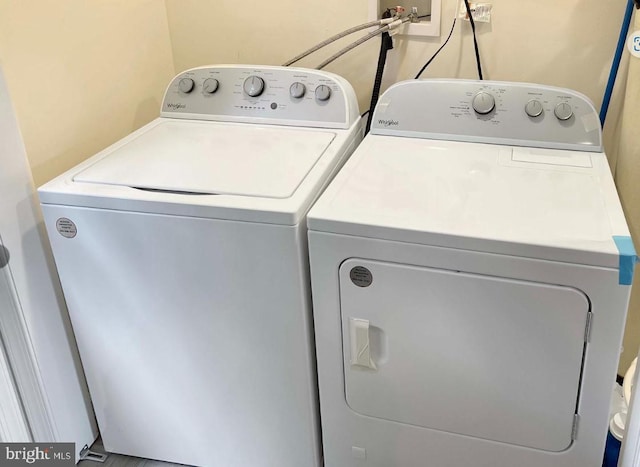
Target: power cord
pixel 385 46
pixel 475 40
pixel 437 51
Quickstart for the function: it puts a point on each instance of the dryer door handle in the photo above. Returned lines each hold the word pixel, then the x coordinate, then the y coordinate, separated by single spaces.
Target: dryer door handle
pixel 360 344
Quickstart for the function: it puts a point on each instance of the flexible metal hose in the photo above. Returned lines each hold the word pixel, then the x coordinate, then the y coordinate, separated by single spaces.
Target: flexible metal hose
pixel 333 39
pixel 360 41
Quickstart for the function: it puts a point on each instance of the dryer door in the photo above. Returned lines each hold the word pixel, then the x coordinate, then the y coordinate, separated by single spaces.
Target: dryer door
pixel 482 356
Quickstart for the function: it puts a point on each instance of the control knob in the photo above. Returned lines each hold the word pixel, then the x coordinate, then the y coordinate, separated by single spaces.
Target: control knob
pixel 210 85
pixel 297 90
pixel 483 103
pixel 186 85
pixel 533 108
pixel 563 111
pixel 254 86
pixel 323 92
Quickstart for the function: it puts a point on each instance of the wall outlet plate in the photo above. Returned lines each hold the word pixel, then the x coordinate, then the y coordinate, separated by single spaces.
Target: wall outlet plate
pixel 427 27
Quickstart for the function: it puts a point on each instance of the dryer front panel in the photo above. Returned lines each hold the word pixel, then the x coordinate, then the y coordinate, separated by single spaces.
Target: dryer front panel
pixel 483 356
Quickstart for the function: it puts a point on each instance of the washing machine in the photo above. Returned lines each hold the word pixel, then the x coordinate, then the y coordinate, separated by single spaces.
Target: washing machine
pixel 182 253
pixel 471 269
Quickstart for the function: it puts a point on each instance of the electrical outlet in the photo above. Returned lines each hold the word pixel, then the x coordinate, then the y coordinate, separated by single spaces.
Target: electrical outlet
pixel 481 12
pixel 425 27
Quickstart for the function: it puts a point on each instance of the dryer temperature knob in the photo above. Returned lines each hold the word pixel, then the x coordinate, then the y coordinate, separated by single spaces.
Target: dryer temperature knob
pixel 563 111
pixel 533 108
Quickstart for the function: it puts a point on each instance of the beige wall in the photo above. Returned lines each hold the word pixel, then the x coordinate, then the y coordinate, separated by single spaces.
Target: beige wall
pixel 268 33
pixel 82 74
pixel 568 43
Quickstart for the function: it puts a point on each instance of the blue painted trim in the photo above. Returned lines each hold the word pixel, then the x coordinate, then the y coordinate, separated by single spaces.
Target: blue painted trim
pixel 628 259
pixel 616 61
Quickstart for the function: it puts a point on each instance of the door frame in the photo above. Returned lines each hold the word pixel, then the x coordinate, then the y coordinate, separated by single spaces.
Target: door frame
pixel 20 366
pixel 13 423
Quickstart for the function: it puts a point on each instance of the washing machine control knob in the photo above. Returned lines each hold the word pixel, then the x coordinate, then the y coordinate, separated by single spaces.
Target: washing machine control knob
pixel 210 85
pixel 563 111
pixel 186 85
pixel 297 90
pixel 483 103
pixel 254 86
pixel 323 92
pixel 533 108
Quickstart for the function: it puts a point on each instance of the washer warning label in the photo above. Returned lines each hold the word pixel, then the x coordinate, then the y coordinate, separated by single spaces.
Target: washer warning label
pixel 66 227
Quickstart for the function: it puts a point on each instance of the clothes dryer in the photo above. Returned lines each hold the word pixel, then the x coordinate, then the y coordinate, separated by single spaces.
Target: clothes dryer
pixel 471 269
pixel 182 253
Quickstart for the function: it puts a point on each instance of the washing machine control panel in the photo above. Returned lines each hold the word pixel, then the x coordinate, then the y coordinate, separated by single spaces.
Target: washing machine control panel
pixel 262 94
pixel 489 112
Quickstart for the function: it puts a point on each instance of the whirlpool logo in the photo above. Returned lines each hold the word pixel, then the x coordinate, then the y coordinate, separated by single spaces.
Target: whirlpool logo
pixel 388 123
pixel 175 106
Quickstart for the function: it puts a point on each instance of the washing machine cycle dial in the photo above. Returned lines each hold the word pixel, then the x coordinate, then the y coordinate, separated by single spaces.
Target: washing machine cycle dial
pixel 533 108
pixel 483 103
pixel 297 90
pixel 186 85
pixel 254 86
pixel 210 85
pixel 563 111
pixel 323 92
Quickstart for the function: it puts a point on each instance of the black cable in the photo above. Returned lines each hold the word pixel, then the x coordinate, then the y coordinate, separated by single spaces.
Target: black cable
pixel 475 40
pixel 385 45
pixel 437 51
pixel 366 112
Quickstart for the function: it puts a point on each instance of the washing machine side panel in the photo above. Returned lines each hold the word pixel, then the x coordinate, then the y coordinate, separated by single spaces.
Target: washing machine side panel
pixel 351 439
pixel 194 334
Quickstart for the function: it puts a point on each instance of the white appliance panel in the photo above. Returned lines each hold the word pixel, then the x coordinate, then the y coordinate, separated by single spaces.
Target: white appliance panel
pixel 482 196
pixel 488 233
pixel 212 158
pixel 188 319
pixel 183 256
pixel 446 109
pixel 508 352
pixel 273 106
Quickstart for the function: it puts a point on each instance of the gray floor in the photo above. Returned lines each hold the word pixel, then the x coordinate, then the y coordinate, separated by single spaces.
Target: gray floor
pixel 116 460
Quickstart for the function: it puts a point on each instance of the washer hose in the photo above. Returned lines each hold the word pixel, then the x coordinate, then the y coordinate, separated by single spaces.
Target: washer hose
pixel 335 38
pixel 362 40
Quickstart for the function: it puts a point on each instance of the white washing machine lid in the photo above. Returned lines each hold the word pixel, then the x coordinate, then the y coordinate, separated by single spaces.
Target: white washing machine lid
pixel 212 158
pixel 232 171
pixel 538 203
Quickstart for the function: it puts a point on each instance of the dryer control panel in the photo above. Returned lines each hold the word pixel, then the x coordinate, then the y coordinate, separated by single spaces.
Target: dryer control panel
pixel 494 112
pixel 262 94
